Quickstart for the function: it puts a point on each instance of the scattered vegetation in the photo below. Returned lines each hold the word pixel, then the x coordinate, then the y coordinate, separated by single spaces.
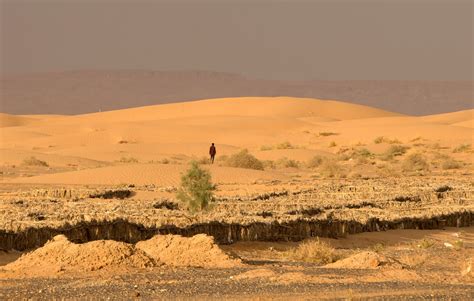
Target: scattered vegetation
pixel 286 163
pixel 394 151
pixel 462 148
pixel 382 139
pixel 331 169
pixel 32 161
pixel 128 160
pixel 196 190
pixel 244 159
pixel 415 162
pixel 283 145
pixel 314 251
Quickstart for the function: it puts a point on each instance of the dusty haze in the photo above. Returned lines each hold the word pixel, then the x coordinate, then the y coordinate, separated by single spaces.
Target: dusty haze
pixel 303 40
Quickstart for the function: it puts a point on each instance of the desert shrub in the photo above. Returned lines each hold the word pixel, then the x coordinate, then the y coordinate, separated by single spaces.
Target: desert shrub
pixel 379 140
pixel 32 161
pixel 361 152
pixel 128 160
pixel 314 251
pixel 314 162
pixel 286 163
pixel 330 168
pixel 415 162
pixel 203 160
pixel 244 159
pixel 266 147
pixel 462 148
pixel 165 161
pixel 450 163
pixel 285 145
pixel 268 164
pixel 382 139
pixel 196 190
pixel 325 134
pixel 425 243
pixel 394 151
pixel 332 144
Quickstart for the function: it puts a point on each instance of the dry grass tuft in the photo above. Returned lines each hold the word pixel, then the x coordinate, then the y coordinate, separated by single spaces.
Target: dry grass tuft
pixel 32 161
pixel 287 163
pixel 325 134
pixel 450 163
pixel 314 251
pixel 128 160
pixel 315 162
pixel 462 148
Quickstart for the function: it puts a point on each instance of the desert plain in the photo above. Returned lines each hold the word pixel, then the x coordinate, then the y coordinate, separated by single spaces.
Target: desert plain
pixel 314 199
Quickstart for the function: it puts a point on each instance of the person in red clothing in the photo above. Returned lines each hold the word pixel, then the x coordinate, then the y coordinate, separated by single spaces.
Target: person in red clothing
pixel 212 152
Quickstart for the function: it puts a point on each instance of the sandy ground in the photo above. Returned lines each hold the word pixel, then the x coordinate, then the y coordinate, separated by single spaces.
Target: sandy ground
pixel 56 172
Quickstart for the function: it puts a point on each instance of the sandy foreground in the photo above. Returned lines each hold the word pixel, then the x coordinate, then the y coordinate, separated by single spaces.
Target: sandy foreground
pixel 90 202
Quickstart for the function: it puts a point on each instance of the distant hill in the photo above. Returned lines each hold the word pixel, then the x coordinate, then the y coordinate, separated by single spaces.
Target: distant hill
pixel 77 92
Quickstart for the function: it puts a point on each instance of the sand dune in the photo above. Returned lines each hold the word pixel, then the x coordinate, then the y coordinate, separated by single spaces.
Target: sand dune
pixel 271 128
pixel 146 174
pixel 450 118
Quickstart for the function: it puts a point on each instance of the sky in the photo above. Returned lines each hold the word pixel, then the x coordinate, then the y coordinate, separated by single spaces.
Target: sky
pixel 289 40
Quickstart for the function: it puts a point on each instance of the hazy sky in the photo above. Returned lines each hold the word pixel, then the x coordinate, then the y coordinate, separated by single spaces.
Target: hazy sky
pixel 319 39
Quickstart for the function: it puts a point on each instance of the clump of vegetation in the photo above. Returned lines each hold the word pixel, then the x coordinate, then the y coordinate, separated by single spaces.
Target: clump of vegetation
pixel 269 164
pixel 165 161
pixel 415 162
pixel 315 162
pixel 204 160
pixel 450 163
pixel 32 161
pixel 285 145
pixel 314 251
pixel 244 159
pixel 332 144
pixel 382 139
pixel 128 160
pixel 325 134
pixel 425 243
pixel 266 147
pixel 443 188
pixel 361 152
pixel 331 169
pixel 196 190
pixel 286 163
pixel 462 148
pixel 394 151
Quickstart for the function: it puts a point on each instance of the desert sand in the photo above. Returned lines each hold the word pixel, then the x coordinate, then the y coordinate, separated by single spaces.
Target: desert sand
pixel 105 183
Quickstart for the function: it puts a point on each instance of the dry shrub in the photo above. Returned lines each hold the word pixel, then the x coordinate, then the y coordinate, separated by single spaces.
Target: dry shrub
pixel 244 159
pixel 331 169
pixel 394 151
pixel 315 162
pixel 128 160
pixel 415 162
pixel 424 243
pixel 462 148
pixel 450 163
pixel 285 145
pixel 382 139
pixel 32 161
pixel 325 134
pixel 269 164
pixel 332 144
pixel 385 170
pixel 414 259
pixel 266 147
pixel 314 251
pixel 287 163
pixel 204 160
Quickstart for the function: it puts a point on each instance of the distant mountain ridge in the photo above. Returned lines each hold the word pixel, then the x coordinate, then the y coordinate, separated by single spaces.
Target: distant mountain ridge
pixel 77 92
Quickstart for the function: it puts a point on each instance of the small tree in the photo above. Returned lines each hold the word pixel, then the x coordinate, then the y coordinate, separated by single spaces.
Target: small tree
pixel 196 188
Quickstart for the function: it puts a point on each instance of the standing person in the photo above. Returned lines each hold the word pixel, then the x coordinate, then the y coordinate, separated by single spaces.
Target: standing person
pixel 212 152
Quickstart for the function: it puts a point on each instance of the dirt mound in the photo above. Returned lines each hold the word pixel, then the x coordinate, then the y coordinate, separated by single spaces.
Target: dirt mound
pixel 197 251
pixel 60 255
pixel 363 260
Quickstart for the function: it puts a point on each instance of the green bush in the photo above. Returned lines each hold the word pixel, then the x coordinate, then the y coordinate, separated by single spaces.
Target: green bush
pixel 244 159
pixel 196 189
